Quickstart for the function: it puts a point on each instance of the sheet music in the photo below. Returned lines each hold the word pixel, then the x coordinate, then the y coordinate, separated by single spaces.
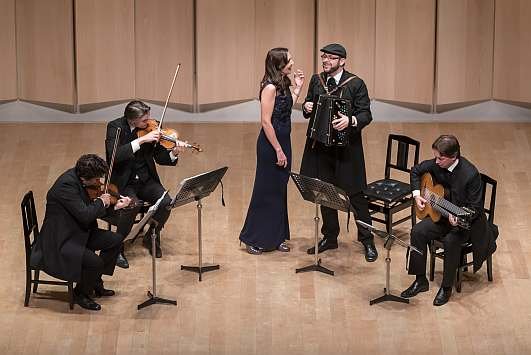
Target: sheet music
pixel 155 206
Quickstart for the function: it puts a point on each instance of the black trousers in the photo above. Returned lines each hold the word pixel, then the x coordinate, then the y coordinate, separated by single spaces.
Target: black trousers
pixel 330 228
pixel 149 191
pixel 94 265
pixel 423 233
pixel 326 171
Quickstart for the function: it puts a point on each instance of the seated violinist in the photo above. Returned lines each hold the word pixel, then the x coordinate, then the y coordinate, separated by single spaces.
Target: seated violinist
pixel 70 235
pixel 134 172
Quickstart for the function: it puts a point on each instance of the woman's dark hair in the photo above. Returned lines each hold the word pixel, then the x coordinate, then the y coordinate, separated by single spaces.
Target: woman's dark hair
pixel 136 109
pixel 447 145
pixel 90 166
pixel 276 60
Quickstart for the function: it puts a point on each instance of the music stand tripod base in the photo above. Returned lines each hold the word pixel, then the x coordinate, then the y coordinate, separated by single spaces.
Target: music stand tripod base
pixel 315 267
pixel 200 270
pixel 388 297
pixel 153 299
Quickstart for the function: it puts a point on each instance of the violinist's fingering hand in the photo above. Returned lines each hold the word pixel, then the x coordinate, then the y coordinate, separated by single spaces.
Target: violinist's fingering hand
pixel 106 199
pixel 179 148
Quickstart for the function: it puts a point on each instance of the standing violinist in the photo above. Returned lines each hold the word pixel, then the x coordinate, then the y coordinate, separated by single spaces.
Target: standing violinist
pixel 70 235
pixel 134 172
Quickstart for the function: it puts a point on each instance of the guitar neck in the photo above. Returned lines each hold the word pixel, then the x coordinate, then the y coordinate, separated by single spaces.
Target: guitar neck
pixel 442 205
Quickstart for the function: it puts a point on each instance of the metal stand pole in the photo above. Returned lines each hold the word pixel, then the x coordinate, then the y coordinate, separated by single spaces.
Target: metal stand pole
pixel 152 297
pixel 200 268
pixel 387 294
pixel 317 264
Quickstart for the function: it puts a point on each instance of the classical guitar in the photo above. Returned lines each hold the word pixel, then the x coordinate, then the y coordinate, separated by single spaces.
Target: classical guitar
pixel 437 206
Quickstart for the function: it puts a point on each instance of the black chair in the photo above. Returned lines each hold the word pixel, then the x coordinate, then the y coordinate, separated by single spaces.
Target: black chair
pixel 436 245
pixel 30 226
pixel 389 196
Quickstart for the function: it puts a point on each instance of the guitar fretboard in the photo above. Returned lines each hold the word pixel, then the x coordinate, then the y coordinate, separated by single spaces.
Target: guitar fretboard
pixel 442 205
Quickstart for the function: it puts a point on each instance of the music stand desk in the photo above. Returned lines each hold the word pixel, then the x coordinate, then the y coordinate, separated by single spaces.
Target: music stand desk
pixel 192 189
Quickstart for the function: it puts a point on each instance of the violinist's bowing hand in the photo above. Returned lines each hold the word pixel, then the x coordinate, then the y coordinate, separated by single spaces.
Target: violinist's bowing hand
pixel 122 202
pixel 106 199
pixel 152 136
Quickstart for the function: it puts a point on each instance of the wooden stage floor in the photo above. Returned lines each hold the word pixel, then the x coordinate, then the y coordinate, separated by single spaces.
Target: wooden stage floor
pixel 257 304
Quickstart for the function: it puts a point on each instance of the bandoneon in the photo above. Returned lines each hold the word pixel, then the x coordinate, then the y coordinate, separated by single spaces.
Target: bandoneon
pixel 327 110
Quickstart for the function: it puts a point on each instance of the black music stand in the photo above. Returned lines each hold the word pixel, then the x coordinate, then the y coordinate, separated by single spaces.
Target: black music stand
pixel 320 193
pixel 148 219
pixel 389 239
pixel 194 189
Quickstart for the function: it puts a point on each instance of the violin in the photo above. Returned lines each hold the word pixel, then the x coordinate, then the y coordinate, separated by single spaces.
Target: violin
pixel 168 137
pixel 95 191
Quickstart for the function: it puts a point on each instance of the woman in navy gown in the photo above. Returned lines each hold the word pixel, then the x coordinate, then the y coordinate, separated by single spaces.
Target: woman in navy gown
pixel 266 227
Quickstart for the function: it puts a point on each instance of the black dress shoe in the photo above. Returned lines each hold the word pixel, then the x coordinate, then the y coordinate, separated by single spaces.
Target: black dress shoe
pixel 121 261
pixel 324 244
pixel 86 302
pixel 100 291
pixel 371 254
pixel 415 288
pixel 442 296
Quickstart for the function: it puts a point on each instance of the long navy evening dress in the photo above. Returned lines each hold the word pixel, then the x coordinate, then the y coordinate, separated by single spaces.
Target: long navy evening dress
pixel 266 225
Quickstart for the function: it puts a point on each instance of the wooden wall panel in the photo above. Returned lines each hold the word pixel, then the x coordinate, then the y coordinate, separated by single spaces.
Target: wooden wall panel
pixel 405 47
pixel 512 51
pixel 351 23
pixel 8 60
pixel 105 47
pixel 164 35
pixel 464 50
pixel 45 53
pixel 287 24
pixel 225 51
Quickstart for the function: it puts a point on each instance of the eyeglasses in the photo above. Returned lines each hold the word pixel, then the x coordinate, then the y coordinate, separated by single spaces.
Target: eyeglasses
pixel 329 57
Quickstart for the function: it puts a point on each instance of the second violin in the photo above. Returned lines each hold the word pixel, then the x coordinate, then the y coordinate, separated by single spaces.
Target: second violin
pixel 169 137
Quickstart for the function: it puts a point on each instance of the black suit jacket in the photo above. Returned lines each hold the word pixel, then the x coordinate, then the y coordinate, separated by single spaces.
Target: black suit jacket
pixel 70 217
pixel 124 162
pixel 350 167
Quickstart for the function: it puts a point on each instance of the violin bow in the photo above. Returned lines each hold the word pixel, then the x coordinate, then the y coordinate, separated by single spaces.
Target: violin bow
pixel 112 159
pixel 169 94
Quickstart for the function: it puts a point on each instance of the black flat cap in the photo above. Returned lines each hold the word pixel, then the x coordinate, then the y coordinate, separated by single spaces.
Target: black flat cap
pixel 335 48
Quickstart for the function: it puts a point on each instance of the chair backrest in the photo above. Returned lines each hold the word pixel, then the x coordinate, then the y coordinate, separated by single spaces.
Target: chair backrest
pixel 30 224
pixel 402 161
pixel 489 184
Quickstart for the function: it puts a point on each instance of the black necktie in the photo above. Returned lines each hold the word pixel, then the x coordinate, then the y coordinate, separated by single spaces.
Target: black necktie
pixel 331 84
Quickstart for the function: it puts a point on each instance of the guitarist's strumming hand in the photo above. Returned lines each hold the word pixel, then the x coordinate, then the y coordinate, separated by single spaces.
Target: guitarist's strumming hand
pixel 421 202
pixel 452 219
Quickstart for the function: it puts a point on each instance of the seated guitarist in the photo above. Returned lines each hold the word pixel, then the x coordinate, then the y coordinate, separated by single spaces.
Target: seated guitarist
pixel 462 184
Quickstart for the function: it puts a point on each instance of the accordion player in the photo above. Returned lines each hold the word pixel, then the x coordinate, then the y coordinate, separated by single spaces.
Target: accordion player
pixel 326 111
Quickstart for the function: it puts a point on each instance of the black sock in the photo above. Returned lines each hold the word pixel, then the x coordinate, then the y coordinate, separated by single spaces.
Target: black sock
pixel 421 278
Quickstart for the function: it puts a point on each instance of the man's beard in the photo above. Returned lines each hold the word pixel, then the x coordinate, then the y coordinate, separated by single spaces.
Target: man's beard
pixel 332 69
